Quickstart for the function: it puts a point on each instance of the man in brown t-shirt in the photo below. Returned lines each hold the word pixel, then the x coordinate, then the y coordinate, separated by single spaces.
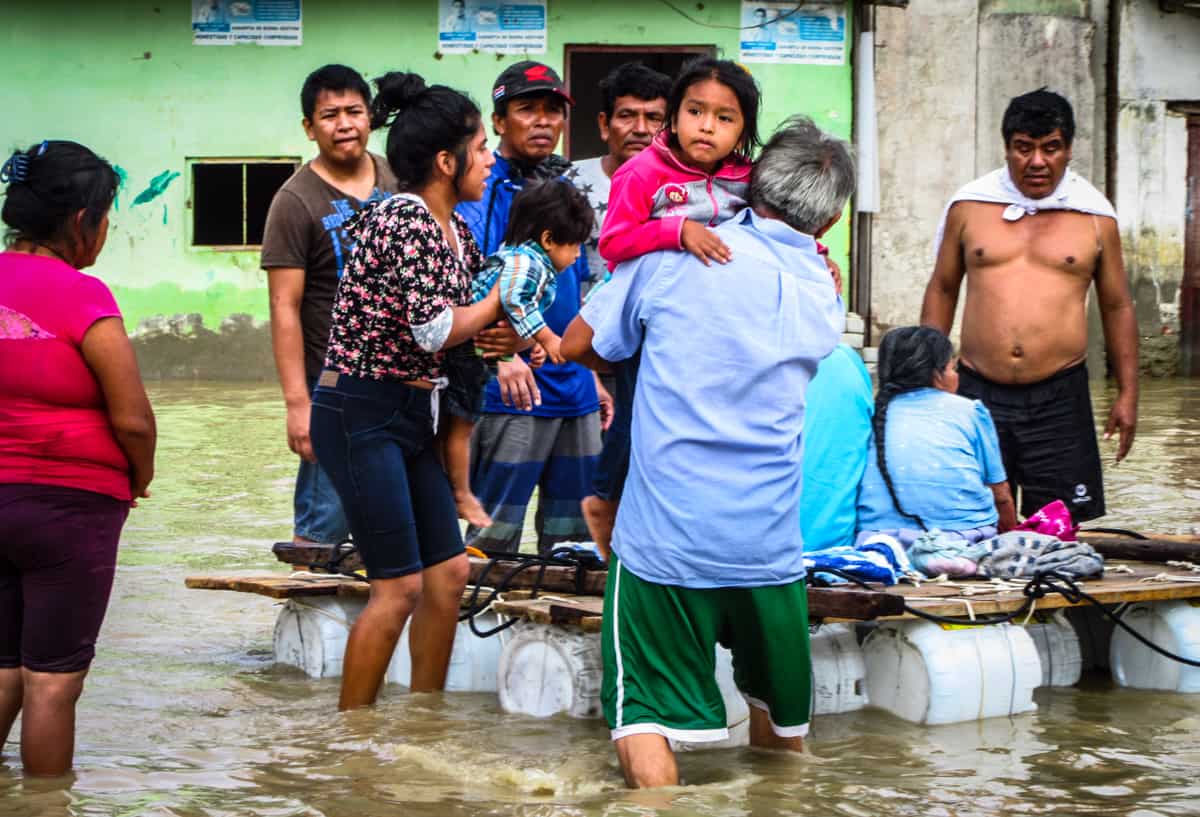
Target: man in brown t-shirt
pixel 304 251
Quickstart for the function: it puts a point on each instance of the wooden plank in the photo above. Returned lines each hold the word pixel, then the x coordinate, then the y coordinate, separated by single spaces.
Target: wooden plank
pixel 1158 549
pixel 852 605
pixel 273 586
pixel 310 554
pixel 555 578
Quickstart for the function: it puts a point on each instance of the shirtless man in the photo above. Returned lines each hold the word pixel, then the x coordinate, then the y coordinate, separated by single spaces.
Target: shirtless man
pixel 1030 238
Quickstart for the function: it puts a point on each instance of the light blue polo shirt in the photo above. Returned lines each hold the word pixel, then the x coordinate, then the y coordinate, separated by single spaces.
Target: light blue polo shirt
pixel 728 351
pixel 942 454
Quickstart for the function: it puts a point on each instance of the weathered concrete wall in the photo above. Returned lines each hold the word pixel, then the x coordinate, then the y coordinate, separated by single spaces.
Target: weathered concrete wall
pixel 945 71
pixel 1159 63
pixel 925 87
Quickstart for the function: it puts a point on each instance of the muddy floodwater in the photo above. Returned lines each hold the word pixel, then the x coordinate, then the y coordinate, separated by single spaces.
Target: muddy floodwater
pixel 184 713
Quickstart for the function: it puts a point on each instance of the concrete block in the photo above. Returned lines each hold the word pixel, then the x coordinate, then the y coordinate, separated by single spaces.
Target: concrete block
pixel 853 339
pixel 870 354
pixel 854 323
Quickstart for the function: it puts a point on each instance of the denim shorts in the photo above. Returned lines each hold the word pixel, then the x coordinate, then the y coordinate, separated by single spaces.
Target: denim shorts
pixel 375 441
pixel 612 467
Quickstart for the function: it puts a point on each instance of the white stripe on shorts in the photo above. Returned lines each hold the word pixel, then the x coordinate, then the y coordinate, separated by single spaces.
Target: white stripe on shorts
pixel 800 731
pixel 616 634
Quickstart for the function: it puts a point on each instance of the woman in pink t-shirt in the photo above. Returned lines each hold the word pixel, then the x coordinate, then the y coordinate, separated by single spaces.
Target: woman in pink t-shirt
pixel 76 442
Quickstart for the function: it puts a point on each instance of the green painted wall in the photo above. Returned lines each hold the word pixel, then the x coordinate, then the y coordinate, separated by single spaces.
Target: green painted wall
pixel 124 78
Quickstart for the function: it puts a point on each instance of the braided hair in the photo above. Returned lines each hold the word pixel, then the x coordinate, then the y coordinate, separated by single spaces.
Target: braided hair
pixel 909 358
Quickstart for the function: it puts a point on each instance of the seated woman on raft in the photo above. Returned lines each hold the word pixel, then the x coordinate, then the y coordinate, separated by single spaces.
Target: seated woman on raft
pixel 935 459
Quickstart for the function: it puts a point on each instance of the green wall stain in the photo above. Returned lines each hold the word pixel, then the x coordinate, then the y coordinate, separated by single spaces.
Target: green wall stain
pixel 122 179
pixel 214 304
pixel 158 186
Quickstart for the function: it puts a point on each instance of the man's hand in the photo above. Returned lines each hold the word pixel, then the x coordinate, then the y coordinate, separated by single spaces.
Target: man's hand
pixel 607 406
pixel 297 430
pixel 1122 418
pixel 703 243
pixel 518 388
pixel 500 340
pixel 835 272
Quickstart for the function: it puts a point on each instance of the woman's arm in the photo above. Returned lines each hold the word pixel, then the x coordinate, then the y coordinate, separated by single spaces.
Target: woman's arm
pixel 110 356
pixel 1005 506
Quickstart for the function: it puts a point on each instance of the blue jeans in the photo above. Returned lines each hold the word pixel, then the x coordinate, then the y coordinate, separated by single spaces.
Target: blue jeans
pixel 375 441
pixel 316 510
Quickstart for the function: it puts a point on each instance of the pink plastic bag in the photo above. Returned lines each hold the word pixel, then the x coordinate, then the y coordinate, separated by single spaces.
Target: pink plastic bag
pixel 1053 519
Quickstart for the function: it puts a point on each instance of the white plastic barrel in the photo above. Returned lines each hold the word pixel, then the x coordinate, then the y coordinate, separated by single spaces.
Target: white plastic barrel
pixel 838 670
pixel 545 670
pixel 311 633
pixel 1058 648
pixel 925 673
pixel 474 661
pixel 1174 626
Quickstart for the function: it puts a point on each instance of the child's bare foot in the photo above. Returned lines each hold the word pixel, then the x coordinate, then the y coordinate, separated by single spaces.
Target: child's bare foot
pixel 470 509
pixel 600 516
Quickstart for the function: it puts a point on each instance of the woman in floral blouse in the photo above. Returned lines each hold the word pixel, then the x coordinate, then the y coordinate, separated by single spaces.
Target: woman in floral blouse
pixel 404 298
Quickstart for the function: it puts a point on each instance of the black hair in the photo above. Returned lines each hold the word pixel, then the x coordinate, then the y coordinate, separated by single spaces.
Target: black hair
pixel 731 75
pixel 1038 113
pixel 633 79
pixel 553 205
pixel 61 179
pixel 424 120
pixel 333 77
pixel 909 358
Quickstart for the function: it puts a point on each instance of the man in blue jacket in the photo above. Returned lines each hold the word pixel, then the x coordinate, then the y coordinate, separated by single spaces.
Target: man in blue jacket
pixel 541 427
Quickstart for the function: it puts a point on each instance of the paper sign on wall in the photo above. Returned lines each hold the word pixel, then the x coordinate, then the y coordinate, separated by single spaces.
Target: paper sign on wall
pixel 237 22
pixel 786 32
pixel 501 28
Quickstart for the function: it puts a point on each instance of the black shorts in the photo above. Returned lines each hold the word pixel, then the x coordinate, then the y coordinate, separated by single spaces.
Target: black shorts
pixel 1047 439
pixel 468 374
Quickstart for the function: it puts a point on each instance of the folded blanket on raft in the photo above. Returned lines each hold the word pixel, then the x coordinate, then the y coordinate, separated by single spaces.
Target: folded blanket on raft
pixel 1012 555
pixel 879 558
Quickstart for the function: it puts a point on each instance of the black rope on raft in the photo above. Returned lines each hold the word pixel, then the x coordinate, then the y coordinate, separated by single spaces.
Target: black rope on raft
pixel 1041 585
pixel 582 561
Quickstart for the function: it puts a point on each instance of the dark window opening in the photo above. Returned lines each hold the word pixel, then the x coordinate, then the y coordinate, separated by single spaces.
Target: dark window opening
pixel 230 200
pixel 586 65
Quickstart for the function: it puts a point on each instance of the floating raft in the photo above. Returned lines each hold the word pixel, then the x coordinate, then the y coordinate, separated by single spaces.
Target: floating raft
pixel 867 650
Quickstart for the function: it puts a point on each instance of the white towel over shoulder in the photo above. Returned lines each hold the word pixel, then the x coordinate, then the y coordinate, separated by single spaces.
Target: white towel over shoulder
pixel 1073 193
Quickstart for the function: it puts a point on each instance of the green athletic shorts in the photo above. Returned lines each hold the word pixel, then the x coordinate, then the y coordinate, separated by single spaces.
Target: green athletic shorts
pixel 659 646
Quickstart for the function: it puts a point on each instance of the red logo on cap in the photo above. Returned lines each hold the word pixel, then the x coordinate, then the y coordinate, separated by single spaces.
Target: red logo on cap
pixel 537 73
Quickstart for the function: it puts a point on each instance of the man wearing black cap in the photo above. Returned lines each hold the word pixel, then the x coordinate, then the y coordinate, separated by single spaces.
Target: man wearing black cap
pixel 540 427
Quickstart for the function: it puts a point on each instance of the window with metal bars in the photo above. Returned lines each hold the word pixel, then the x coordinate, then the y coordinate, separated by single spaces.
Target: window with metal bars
pixel 230 199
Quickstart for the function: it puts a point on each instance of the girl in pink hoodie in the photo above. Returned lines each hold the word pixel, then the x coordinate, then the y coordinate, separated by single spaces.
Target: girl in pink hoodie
pixel 695 175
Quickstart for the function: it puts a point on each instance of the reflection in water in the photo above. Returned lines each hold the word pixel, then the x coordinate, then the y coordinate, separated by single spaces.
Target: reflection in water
pixel 184 713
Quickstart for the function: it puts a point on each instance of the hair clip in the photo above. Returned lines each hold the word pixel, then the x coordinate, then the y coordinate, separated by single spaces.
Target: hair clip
pixel 42 147
pixel 16 169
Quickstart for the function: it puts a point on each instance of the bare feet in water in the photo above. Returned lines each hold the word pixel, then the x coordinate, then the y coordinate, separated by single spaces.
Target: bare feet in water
pixel 470 509
pixel 600 515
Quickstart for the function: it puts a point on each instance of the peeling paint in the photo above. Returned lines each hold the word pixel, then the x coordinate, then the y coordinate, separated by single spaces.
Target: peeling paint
pixel 158 186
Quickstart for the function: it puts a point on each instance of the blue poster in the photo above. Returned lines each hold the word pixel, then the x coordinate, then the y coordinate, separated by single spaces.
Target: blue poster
pixel 501 28
pixel 235 22
pixel 786 32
